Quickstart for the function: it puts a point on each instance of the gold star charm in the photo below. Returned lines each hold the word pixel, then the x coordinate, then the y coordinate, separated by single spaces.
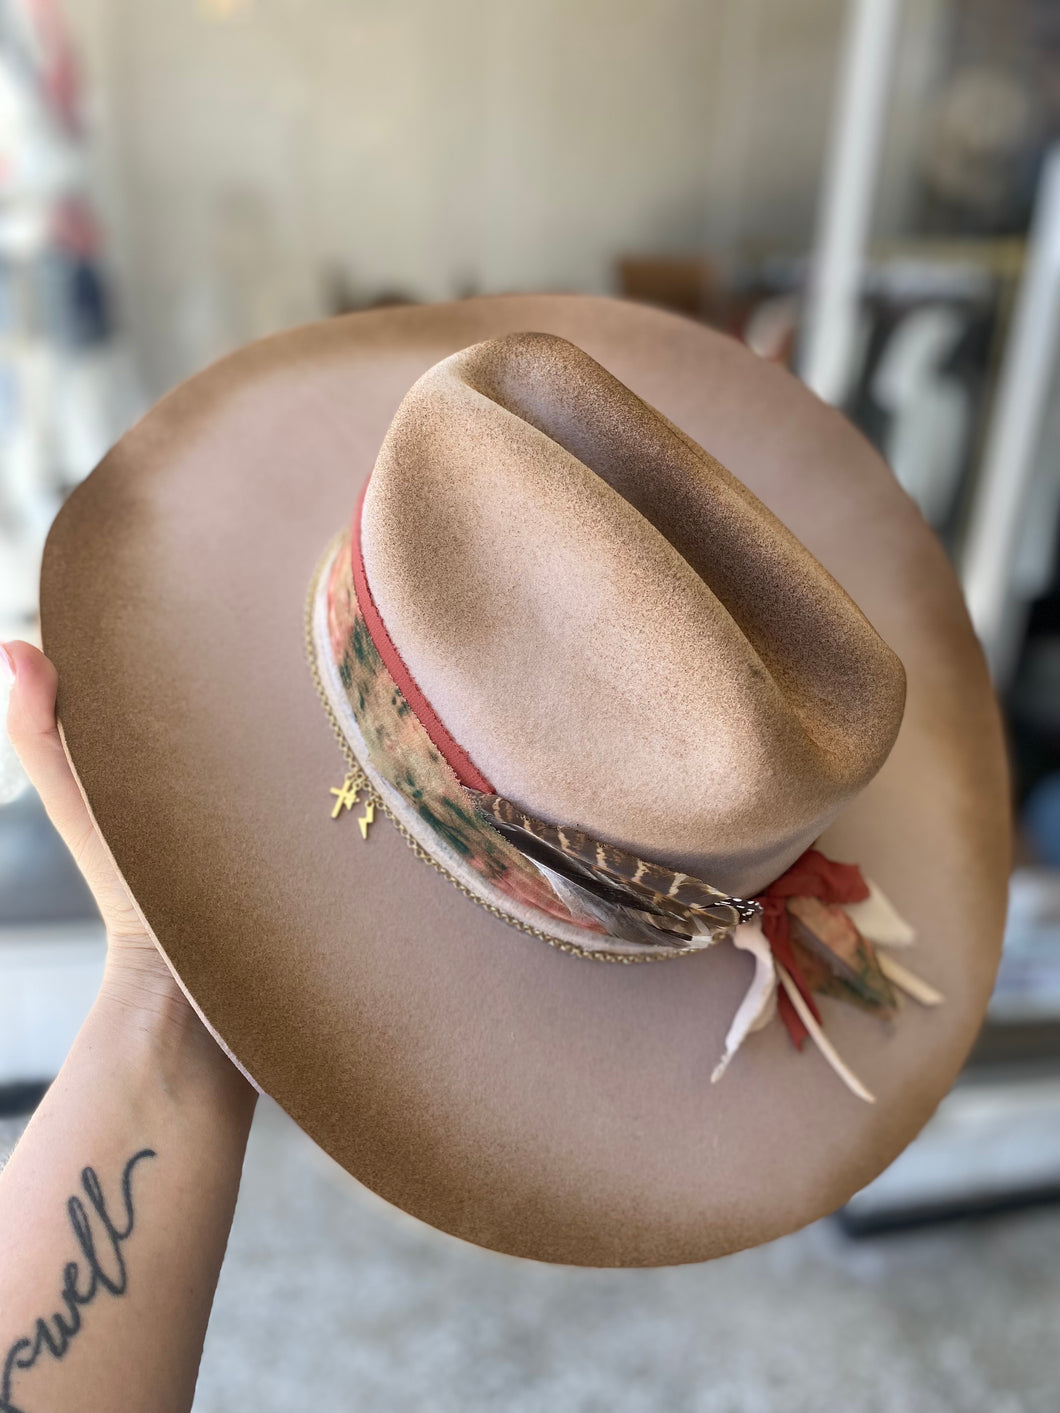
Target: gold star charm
pixel 346 795
pixel 367 818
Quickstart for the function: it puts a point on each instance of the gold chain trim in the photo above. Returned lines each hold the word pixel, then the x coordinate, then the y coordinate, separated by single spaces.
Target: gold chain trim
pixel 360 781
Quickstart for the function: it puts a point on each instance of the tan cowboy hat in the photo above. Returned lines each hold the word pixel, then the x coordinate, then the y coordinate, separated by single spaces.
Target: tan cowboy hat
pixel 628 650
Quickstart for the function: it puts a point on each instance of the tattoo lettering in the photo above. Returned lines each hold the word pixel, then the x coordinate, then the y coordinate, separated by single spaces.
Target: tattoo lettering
pixel 103 1270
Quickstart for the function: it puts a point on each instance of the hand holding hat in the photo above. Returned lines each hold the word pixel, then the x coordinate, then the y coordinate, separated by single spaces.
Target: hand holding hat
pixel 136 975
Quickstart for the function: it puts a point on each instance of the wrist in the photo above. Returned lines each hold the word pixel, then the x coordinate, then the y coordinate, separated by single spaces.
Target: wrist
pixel 137 981
pixel 149 1025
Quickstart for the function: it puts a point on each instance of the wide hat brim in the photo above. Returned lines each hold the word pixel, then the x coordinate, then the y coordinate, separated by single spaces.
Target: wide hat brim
pixel 514 1096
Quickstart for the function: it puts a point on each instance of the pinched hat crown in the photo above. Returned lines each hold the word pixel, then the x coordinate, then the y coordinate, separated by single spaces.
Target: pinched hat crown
pixel 615 632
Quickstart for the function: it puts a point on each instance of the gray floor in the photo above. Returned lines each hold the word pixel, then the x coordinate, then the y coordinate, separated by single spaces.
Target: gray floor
pixel 329 1300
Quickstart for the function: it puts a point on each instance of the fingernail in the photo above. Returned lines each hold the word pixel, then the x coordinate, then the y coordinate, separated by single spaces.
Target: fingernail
pixel 8 661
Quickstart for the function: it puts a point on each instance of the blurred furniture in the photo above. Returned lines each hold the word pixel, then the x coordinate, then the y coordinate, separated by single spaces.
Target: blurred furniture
pixel 847 194
pixel 997 576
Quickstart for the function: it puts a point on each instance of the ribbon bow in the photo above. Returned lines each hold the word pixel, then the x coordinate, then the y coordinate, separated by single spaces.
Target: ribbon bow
pixel 810 876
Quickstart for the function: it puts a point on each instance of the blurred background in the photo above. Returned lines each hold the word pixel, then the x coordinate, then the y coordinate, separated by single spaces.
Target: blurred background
pixel 865 190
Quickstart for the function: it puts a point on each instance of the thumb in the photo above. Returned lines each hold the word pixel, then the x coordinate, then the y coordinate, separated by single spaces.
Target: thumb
pixel 34 733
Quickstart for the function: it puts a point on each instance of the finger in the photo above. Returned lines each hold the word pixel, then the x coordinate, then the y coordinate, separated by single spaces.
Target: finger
pixel 34 733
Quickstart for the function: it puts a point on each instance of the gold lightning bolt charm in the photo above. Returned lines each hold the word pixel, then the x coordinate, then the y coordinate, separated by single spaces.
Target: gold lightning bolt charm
pixel 367 818
pixel 346 795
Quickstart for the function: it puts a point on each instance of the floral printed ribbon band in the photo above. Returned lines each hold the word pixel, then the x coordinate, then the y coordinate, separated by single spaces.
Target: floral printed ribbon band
pixel 816 930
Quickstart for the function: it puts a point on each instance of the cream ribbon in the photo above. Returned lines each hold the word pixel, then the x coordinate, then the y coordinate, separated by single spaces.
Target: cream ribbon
pixel 879 923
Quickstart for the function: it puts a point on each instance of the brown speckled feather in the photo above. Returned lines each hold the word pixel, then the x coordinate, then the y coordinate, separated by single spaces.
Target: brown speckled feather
pixel 673 902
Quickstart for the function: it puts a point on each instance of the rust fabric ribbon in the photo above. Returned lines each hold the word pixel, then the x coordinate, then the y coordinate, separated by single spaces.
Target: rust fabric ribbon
pixel 812 875
pixel 464 768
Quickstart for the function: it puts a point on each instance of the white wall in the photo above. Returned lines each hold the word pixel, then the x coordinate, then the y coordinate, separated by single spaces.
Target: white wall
pixel 431 146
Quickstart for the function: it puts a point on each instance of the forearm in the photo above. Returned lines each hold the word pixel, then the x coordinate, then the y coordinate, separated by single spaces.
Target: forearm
pixel 105 1288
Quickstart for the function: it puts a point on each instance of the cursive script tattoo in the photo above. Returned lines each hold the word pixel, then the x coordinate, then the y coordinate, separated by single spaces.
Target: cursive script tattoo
pixel 53 1334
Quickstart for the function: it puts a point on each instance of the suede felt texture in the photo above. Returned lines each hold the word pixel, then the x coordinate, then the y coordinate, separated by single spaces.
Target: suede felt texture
pixel 526 1100
pixel 617 633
